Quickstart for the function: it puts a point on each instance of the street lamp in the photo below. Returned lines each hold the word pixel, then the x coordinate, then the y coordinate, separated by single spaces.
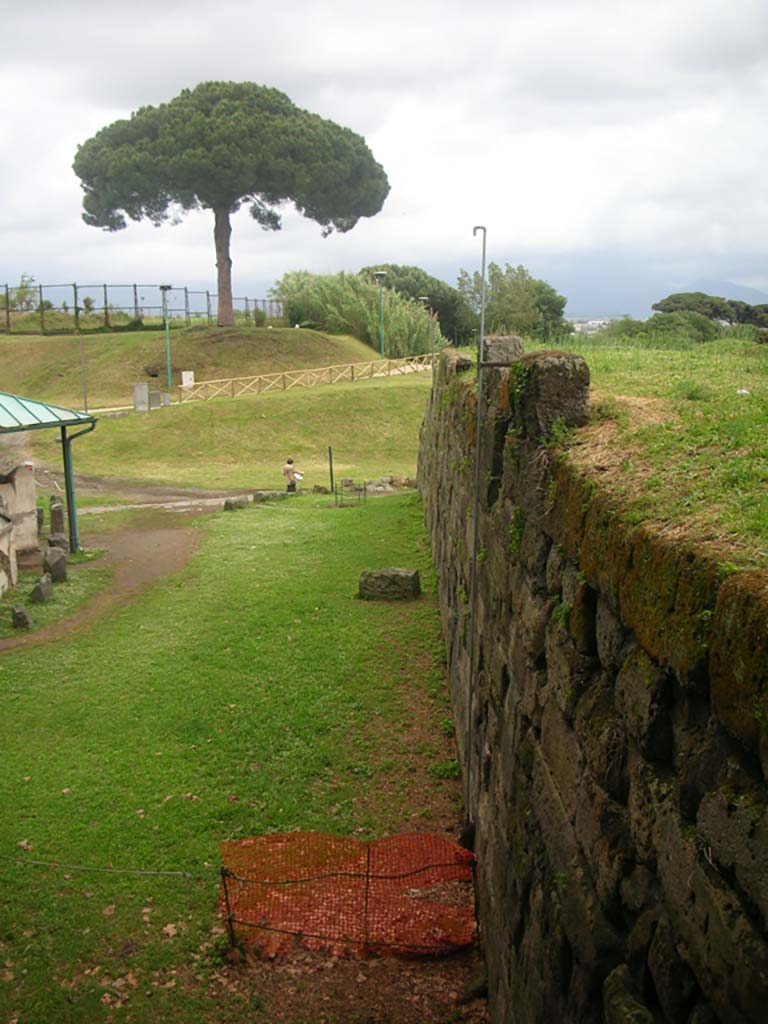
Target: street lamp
pixel 165 288
pixel 424 299
pixel 380 275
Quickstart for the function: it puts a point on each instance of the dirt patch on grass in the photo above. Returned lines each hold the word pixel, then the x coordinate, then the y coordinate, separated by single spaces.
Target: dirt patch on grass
pixel 138 557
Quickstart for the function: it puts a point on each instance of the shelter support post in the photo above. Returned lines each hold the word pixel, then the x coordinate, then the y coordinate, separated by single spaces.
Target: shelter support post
pixel 69 483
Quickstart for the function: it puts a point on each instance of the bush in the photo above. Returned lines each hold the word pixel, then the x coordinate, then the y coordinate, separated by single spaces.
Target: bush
pixel 349 304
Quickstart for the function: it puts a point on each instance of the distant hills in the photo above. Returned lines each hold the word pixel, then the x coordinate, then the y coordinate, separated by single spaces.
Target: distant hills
pixel 726 290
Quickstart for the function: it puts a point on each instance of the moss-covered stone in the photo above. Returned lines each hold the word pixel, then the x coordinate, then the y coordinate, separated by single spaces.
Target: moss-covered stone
pixel 738 661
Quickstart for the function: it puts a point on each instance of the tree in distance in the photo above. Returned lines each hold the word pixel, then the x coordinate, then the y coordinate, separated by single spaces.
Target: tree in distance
pixel 457 321
pixel 515 301
pixel 219 146
pixel 730 311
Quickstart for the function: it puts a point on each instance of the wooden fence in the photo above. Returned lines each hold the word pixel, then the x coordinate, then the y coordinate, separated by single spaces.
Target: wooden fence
pixel 234 387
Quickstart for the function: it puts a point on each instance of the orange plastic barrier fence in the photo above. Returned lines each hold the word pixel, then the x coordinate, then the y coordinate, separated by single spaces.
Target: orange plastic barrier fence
pixel 408 895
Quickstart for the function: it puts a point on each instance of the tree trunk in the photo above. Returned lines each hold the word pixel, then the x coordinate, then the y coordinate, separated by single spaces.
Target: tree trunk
pixel 222 232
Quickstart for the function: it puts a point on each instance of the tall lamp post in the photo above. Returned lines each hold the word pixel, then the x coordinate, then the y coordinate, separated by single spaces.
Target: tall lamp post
pixel 424 299
pixel 165 288
pixel 380 275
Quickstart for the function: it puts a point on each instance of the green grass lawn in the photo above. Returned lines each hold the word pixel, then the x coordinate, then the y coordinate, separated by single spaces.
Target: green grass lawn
pixel 48 368
pixel 251 693
pixel 689 448
pixel 373 427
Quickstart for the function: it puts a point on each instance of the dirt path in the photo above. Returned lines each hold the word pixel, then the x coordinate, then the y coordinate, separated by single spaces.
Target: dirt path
pixel 138 557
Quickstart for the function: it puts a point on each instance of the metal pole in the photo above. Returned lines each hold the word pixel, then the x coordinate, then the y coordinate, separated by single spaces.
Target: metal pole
pixel 164 289
pixel 380 275
pixel 330 465
pixel 230 927
pixel 136 313
pixel 8 309
pixel 208 306
pixel 82 372
pixel 106 307
pixel 77 308
pixel 69 484
pixel 42 311
pixel 475 541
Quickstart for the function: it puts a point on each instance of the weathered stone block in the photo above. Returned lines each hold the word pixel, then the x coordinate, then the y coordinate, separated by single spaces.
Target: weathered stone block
pixel 233 504
pixel 389 585
pixel 503 348
pixel 57 517
pixel 551 387
pixel 55 564
pixel 58 540
pixel 42 592
pixel 738 661
pixel 20 617
pixel 641 691
pixel 673 980
pixel 734 826
pixel 621 1002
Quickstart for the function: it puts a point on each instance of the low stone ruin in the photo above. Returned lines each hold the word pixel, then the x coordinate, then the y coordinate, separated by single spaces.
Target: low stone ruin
pixel 389 585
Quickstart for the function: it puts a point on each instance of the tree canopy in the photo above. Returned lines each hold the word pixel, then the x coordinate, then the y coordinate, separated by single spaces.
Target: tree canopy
pixel 457 321
pixel 732 311
pixel 515 301
pixel 222 145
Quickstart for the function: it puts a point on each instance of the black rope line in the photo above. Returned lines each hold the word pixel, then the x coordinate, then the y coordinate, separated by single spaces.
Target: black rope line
pixel 56 865
pixel 343 874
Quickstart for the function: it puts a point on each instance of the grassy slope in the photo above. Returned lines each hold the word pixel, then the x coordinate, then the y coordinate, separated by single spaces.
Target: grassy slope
pixel 251 693
pixel 684 448
pixel 372 426
pixel 48 368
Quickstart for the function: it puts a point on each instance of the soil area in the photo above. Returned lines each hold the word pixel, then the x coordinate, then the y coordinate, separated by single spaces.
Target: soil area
pixel 302 986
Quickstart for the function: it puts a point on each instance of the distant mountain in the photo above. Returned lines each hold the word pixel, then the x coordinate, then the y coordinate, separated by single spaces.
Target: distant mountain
pixel 727 290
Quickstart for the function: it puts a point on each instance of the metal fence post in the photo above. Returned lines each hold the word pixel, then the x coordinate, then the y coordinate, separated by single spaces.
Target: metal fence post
pixel 41 310
pixel 106 308
pixel 77 307
pixel 8 309
pixel 230 925
pixel 186 305
pixel 208 306
pixel 136 314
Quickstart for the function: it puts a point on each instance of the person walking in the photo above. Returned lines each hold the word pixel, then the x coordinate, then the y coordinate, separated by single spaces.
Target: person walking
pixel 291 475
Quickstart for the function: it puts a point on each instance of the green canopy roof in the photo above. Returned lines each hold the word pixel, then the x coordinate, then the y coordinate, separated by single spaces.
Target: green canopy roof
pixel 17 413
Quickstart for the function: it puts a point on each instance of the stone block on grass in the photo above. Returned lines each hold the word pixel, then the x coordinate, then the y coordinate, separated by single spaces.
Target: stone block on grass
pixel 20 617
pixel 42 592
pixel 389 585
pixel 55 564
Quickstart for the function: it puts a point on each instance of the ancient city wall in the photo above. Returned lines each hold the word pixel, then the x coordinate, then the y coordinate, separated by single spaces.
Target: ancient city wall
pixel 618 727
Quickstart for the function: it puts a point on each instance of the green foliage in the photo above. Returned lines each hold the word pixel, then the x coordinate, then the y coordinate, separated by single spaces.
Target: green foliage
pixel 731 311
pixel 219 146
pixel 678 329
pixel 458 323
pixel 516 527
pixel 23 298
pixel 516 302
pixel 445 769
pixel 349 304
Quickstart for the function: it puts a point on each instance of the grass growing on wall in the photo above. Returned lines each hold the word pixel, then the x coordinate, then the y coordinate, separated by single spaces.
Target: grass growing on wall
pixel 683 438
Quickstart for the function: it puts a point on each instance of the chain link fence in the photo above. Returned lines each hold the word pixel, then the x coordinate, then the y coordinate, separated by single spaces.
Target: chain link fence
pixel 31 308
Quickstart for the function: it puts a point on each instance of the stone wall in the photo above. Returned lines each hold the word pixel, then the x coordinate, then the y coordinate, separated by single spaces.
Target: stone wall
pixel 19 496
pixel 8 569
pixel 615 730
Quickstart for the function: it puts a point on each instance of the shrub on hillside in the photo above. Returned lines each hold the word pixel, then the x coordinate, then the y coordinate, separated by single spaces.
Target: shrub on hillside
pixel 349 304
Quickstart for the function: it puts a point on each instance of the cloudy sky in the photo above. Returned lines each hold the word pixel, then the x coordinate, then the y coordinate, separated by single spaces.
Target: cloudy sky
pixel 617 148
